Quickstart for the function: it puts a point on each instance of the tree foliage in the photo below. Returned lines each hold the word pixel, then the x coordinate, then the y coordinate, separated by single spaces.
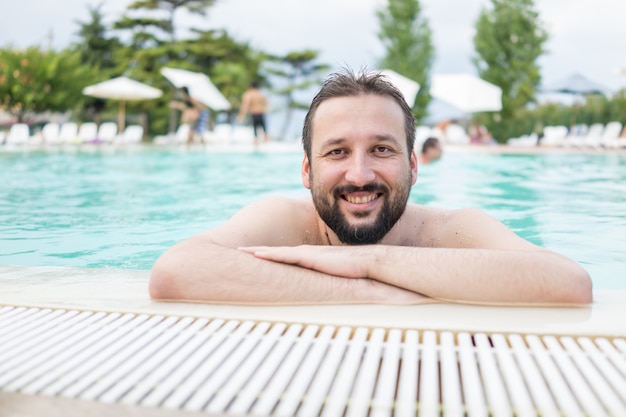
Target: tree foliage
pixel 33 81
pixel 409 49
pixel 96 48
pixel 509 40
pixel 595 109
pixel 166 24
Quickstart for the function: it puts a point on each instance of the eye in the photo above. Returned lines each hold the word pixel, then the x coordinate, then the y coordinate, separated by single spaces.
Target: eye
pixel 382 150
pixel 336 153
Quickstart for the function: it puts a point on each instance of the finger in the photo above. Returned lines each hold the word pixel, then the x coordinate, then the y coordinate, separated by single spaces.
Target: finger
pixel 249 249
pixel 271 253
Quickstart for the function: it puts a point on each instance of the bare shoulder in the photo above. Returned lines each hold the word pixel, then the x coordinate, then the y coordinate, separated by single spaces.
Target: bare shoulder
pixel 464 228
pixel 272 221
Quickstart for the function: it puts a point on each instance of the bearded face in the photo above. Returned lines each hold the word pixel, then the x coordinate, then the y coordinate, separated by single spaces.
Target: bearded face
pixel 360 170
pixel 370 226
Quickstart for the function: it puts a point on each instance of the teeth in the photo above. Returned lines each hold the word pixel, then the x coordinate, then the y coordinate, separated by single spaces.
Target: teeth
pixel 360 200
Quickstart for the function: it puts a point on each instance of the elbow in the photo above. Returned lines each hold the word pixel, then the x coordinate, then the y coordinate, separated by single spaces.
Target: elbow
pixel 579 287
pixel 163 282
pixel 585 292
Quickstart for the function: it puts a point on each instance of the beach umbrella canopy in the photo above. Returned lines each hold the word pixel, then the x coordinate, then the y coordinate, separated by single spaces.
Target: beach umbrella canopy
pixel 407 86
pixel 576 84
pixel 123 89
pixel 199 85
pixel 439 110
pixel 466 92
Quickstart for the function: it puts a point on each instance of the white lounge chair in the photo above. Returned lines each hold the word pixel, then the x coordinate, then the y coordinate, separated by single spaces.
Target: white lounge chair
pixel 87 132
pixel 131 134
pixel 181 135
pixel 524 141
pixel 106 132
pixel 19 133
pixel 68 133
pixel 620 142
pixel 591 139
pixel 50 134
pixel 554 135
pixel 610 136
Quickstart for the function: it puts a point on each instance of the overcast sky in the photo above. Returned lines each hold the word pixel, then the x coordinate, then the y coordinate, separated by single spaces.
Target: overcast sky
pixel 586 36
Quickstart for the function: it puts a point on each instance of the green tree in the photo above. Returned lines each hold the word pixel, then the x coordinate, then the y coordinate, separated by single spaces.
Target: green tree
pixel 95 46
pixel 297 72
pixel 407 39
pixel 509 40
pixel 165 24
pixel 33 81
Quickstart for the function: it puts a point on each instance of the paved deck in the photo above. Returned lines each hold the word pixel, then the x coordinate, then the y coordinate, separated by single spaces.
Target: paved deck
pixel 76 342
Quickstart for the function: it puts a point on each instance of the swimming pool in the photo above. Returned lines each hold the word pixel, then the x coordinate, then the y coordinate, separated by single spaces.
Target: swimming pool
pixel 122 208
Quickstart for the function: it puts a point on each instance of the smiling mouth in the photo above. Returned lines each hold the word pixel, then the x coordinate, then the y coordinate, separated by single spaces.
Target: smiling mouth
pixel 363 199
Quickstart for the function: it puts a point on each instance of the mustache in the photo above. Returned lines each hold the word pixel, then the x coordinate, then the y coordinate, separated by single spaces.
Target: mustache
pixel 367 188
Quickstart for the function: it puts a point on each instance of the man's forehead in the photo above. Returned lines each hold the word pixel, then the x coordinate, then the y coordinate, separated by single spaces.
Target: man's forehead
pixel 378 116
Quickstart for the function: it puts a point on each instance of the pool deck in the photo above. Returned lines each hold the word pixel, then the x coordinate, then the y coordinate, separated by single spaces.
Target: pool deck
pixel 127 291
pixel 296 146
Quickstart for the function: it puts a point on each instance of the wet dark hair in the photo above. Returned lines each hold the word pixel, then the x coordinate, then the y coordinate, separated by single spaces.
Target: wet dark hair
pixel 185 90
pixel 254 84
pixel 346 83
pixel 430 143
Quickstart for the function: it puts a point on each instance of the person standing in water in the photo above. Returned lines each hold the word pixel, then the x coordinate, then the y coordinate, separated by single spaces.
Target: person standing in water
pixel 254 103
pixel 194 114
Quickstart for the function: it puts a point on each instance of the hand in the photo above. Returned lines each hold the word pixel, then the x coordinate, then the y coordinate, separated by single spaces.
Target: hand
pixel 341 261
pixel 345 262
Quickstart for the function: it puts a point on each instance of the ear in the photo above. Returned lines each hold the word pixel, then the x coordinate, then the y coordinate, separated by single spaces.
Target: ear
pixel 306 170
pixel 413 167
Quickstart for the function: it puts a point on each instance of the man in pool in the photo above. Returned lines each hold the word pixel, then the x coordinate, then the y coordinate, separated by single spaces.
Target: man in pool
pixel 431 151
pixel 356 240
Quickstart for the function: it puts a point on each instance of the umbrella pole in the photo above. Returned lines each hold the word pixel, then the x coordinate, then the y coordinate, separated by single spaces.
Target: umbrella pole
pixel 121 117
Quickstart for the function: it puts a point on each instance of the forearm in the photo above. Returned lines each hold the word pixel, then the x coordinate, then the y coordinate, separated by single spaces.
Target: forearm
pixel 476 276
pixel 224 275
pixel 482 276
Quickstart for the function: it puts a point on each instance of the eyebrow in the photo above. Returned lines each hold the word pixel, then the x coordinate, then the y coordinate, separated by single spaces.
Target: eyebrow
pixel 376 138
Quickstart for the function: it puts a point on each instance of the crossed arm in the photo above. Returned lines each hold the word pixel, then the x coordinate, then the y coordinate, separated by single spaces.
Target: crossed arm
pixel 475 276
pixel 230 266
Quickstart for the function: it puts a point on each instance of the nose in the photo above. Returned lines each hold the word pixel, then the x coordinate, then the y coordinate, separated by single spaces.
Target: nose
pixel 359 171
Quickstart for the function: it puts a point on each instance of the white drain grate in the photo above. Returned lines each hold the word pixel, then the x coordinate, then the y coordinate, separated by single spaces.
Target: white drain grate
pixel 276 369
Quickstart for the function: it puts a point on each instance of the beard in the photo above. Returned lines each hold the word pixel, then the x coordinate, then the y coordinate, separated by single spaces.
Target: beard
pixel 362 234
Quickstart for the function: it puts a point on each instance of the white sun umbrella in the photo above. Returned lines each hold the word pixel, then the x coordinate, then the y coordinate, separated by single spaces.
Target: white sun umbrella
pixel 199 85
pixel 467 92
pixel 407 86
pixel 123 89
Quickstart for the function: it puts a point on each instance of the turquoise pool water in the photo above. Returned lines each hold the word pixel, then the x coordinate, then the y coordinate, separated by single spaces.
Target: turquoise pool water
pixel 123 208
